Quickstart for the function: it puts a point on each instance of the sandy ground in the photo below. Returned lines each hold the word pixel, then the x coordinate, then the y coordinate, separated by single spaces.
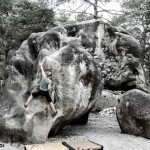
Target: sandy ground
pixel 100 129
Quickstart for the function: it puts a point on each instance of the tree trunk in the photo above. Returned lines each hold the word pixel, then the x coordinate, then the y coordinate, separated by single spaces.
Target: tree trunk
pixel 95 10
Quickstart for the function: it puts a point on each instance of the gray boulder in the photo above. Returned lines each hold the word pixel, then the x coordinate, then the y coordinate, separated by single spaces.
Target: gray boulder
pixel 122 67
pixel 107 99
pixel 77 55
pixel 133 113
pixel 76 80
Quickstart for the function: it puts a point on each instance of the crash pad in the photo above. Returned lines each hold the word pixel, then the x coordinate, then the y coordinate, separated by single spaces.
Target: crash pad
pixel 71 145
pixel 84 145
pixel 47 146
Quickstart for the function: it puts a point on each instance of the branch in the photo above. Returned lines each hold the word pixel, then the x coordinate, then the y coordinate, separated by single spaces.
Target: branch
pixel 74 11
pixel 90 3
pixel 102 3
pixel 106 19
pixel 79 6
pixel 109 11
pixel 86 9
pixel 78 12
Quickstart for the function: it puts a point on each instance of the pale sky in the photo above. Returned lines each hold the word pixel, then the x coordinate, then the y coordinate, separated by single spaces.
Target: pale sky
pixel 77 3
pixel 74 5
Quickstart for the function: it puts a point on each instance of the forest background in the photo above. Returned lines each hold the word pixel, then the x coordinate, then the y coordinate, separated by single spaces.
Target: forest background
pixel 20 18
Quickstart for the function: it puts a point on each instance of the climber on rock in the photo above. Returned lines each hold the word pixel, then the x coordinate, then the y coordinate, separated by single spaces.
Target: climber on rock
pixel 45 87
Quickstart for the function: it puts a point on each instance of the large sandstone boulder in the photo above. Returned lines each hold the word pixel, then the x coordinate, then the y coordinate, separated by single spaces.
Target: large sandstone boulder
pixel 119 61
pixel 76 80
pixel 122 67
pixel 77 54
pixel 115 51
pixel 133 113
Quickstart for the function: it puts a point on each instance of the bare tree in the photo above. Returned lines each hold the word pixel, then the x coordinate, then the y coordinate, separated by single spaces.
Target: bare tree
pixel 98 7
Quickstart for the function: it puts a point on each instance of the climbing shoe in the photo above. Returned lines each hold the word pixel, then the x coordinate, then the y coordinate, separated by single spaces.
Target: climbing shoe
pixel 55 113
pixel 25 105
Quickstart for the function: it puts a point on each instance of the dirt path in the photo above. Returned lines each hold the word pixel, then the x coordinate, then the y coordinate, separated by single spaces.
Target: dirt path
pixel 105 131
pixel 100 129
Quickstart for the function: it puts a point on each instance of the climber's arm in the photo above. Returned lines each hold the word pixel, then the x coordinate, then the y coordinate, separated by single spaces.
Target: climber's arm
pixel 49 87
pixel 42 70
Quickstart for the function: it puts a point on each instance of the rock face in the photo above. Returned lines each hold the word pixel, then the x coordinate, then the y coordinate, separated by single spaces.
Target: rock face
pixel 133 113
pixel 75 77
pixel 77 55
pixel 106 99
pixel 122 67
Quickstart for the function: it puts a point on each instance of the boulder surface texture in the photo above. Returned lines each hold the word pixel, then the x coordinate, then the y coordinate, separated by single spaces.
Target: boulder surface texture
pixel 77 54
pixel 75 78
pixel 133 113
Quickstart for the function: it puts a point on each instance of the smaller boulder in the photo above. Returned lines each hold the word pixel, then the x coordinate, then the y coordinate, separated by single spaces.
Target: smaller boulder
pixel 107 99
pixel 133 113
